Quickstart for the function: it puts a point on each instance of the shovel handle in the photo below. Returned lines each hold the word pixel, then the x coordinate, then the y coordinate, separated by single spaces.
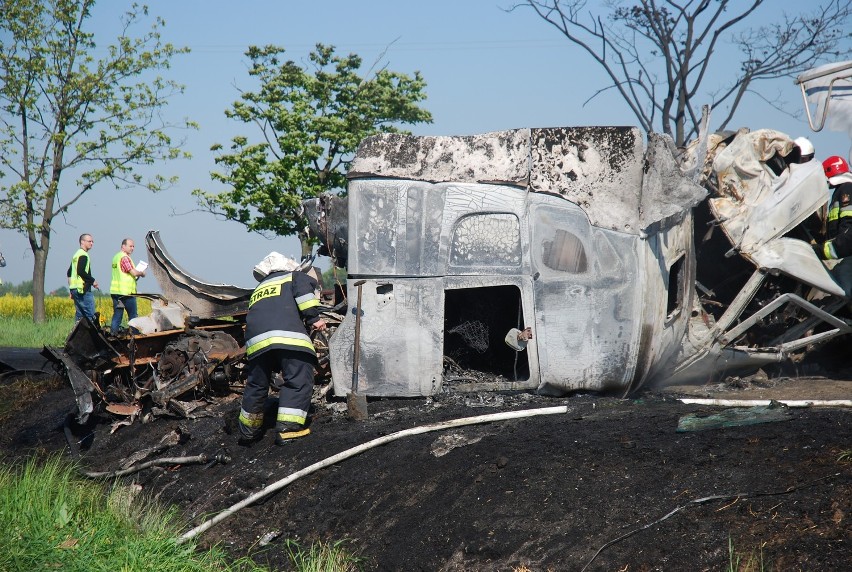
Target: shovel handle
pixel 357 356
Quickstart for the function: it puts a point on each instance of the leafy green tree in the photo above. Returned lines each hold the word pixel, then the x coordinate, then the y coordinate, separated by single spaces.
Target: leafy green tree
pixel 332 276
pixel 25 288
pixel 311 122
pixel 66 113
pixel 660 54
pixel 61 292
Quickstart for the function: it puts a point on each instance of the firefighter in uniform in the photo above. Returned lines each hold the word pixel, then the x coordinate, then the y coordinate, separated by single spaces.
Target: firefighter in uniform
pixel 838 223
pixel 276 340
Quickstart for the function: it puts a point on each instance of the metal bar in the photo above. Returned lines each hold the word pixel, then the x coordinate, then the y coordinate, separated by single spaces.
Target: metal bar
pixel 772 306
pixel 804 78
pixel 491 386
pixel 808 76
pixel 357 354
pixel 796 331
pixel 741 301
pixel 814 339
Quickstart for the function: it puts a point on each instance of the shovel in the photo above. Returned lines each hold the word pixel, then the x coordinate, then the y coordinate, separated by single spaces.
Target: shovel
pixel 356 404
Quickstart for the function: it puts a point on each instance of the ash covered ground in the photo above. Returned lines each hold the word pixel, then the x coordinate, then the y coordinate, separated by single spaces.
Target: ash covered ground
pixel 609 485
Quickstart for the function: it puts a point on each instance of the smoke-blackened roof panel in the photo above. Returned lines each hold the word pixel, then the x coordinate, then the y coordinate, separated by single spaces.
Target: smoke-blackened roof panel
pixel 498 157
pixel 596 168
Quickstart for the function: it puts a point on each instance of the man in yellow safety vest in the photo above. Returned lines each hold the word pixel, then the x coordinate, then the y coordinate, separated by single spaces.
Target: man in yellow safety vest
pixel 81 281
pixel 123 284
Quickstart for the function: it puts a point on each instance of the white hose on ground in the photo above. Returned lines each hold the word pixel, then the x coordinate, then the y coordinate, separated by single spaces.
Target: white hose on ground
pixel 757 402
pixel 364 447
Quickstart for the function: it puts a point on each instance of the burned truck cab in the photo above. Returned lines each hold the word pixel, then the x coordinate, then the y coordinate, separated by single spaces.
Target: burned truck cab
pixel 583 234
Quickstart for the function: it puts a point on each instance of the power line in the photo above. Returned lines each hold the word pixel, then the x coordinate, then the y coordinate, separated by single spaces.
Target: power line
pixel 471 45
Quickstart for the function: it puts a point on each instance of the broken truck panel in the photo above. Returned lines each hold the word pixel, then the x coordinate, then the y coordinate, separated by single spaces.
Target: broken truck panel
pixel 80 382
pixel 827 87
pixel 329 219
pixel 755 207
pixel 758 276
pixel 606 245
pixel 632 263
pixel 201 299
pixel 86 349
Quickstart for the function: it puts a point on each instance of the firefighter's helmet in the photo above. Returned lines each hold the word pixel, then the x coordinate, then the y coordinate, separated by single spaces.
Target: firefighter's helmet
pixel 806 148
pixel 835 166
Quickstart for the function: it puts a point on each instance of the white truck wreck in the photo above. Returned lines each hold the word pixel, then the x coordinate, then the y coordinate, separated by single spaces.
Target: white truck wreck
pixel 630 261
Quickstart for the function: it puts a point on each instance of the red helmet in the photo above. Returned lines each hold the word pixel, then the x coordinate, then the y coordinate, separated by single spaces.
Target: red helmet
pixel 835 166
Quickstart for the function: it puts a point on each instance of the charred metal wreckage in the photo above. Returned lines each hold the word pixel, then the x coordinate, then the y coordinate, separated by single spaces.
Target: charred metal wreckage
pixel 188 351
pixel 632 262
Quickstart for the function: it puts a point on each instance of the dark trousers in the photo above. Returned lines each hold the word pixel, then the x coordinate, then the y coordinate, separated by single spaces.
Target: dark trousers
pixel 294 390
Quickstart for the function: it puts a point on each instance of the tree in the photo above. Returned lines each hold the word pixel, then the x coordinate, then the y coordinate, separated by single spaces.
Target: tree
pixel 23 289
pixel 658 53
pixel 64 112
pixel 311 122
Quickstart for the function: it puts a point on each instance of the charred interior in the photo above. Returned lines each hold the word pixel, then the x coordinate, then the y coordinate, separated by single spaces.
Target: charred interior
pixel 718 290
pixel 476 321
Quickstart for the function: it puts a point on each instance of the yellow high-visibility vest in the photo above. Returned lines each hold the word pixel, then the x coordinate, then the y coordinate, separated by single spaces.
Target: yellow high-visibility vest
pixel 76 281
pixel 123 283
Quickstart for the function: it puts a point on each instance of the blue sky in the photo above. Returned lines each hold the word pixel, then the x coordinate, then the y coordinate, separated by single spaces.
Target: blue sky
pixel 486 70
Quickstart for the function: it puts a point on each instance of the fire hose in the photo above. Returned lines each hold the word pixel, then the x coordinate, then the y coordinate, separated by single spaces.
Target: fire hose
pixel 365 447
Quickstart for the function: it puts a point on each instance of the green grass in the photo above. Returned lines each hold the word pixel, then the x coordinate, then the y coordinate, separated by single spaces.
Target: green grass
pixel 738 562
pixel 19 330
pixel 23 333
pixel 323 557
pixel 52 519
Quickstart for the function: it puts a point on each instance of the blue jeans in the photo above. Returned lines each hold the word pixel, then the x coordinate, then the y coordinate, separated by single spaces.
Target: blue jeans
pixel 119 304
pixel 84 304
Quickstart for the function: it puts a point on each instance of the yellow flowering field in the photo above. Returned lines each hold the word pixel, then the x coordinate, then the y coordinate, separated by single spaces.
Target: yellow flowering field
pixel 12 306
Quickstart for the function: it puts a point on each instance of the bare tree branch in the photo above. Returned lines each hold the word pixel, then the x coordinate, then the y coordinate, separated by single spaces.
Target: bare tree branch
pixel 660 55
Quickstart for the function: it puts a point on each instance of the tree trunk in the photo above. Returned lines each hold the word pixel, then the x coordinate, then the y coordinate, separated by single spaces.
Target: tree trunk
pixel 39 267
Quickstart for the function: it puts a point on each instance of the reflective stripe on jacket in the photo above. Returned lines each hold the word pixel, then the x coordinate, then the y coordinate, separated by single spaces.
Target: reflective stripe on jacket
pixel 123 283
pixel 839 224
pixel 277 308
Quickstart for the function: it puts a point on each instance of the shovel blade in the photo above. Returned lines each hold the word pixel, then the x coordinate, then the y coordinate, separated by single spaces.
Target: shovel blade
pixel 356 406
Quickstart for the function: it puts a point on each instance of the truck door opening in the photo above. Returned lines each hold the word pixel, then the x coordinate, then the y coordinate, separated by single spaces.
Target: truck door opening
pixel 476 321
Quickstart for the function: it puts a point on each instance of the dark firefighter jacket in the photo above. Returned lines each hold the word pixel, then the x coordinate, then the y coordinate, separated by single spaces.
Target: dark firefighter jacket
pixel 838 225
pixel 276 309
